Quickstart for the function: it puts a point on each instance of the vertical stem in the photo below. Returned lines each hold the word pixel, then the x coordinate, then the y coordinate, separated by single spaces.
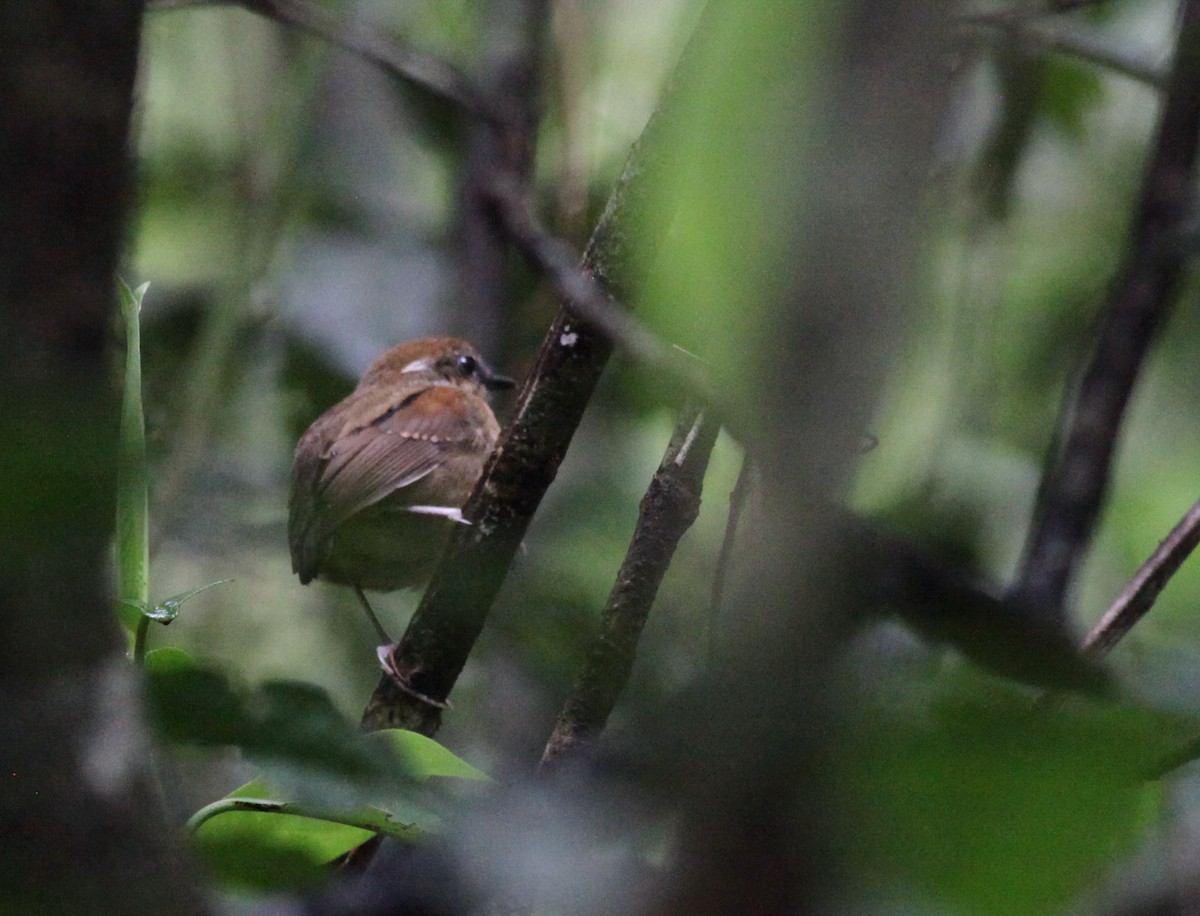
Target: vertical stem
pixel 737 501
pixel 133 526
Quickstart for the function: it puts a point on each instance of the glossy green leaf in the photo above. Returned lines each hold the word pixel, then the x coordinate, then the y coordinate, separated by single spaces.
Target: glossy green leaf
pixel 423 757
pixel 266 851
pixel 285 844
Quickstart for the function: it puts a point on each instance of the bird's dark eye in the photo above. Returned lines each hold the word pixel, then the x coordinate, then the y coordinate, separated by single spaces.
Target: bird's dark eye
pixel 467 365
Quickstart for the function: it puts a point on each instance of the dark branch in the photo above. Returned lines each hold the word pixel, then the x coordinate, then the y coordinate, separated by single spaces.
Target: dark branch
pixel 587 299
pixel 444 628
pixel 1135 602
pixel 1142 591
pixel 1076 480
pixel 427 72
pixel 944 605
pixel 86 826
pixel 668 510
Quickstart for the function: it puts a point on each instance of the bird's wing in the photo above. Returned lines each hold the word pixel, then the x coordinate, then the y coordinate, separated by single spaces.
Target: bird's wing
pixel 363 464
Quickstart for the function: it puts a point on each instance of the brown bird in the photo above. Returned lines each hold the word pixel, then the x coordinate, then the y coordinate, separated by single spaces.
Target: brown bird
pixel 379 479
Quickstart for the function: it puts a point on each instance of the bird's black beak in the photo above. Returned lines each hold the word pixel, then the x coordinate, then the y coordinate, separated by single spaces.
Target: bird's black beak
pixel 494 382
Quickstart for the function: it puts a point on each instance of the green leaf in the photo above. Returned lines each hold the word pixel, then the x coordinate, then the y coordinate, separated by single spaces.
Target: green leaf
pixel 168 610
pixel 168 659
pixel 315 761
pixel 133 514
pixel 264 851
pixel 195 705
pixel 286 845
pixel 423 757
pixel 289 724
pixel 987 806
pixel 367 818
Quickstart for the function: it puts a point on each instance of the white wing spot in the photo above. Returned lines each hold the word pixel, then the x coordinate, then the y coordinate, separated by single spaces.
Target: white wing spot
pixel 568 339
pixel 452 513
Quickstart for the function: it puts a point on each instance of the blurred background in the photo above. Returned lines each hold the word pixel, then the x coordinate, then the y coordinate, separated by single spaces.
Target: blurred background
pixel 298 212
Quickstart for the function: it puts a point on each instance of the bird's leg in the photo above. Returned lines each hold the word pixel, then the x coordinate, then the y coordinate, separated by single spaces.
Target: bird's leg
pixel 362 599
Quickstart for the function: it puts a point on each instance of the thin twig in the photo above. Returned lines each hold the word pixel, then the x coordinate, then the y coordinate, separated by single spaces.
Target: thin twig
pixel 589 302
pixel 366 606
pixel 737 500
pixel 417 68
pixel 667 511
pixel 1140 594
pixel 1139 300
pixel 442 631
pixel 1134 603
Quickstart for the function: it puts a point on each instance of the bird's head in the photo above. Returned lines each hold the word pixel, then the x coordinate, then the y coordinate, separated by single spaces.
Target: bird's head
pixel 440 360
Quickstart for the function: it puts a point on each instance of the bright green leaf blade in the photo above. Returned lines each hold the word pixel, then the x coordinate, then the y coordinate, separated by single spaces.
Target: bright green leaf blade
pixel 371 818
pixel 284 849
pixel 423 757
pixel 730 200
pixel 168 659
pixel 255 788
pixel 264 851
pixel 133 514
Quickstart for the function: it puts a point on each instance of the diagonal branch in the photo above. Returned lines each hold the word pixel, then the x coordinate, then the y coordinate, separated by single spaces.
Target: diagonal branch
pixel 1142 591
pixel 1075 482
pixel 668 510
pixel 423 667
pixel 427 72
pixel 589 301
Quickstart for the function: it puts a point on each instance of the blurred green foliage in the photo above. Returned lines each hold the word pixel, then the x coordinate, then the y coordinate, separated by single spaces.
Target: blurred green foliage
pixel 969 795
pixel 297 215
